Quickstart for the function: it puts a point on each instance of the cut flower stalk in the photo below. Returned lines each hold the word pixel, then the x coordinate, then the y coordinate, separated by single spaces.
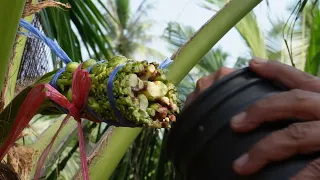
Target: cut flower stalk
pixel 136 87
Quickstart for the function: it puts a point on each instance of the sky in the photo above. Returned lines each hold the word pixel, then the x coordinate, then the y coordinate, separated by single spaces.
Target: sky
pixel 189 12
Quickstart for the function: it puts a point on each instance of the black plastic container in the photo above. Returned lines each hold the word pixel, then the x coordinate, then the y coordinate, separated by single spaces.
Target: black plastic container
pixel 201 143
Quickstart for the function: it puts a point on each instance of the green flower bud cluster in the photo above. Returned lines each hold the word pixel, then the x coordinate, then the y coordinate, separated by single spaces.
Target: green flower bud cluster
pixel 141 91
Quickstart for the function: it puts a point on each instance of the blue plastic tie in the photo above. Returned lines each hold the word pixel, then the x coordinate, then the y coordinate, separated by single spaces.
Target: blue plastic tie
pixel 53 83
pixel 34 32
pixel 99 62
pixel 166 63
pixel 111 98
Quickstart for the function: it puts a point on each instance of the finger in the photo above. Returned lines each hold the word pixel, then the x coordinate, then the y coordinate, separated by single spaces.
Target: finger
pixel 298 138
pixel 289 76
pixel 222 72
pixel 189 99
pixel 205 82
pixel 295 103
pixel 310 172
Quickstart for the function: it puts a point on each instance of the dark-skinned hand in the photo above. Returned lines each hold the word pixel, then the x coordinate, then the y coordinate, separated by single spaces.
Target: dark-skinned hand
pixel 302 101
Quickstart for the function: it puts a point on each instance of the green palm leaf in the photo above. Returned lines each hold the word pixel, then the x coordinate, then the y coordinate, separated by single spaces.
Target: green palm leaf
pixel 123 11
pixel 89 23
pixel 313 54
pixel 253 36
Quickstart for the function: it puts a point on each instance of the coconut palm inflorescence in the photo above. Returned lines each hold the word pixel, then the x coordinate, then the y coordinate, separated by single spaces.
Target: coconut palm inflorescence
pixel 141 91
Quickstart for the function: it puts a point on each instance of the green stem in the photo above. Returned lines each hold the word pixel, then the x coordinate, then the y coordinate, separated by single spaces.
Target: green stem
pixel 66 135
pixel 184 60
pixel 11 12
pixel 12 73
pixel 110 151
pixel 208 35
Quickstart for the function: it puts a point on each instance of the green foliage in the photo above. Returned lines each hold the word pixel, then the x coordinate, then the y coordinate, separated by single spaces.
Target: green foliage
pixel 176 35
pixel 11 12
pixel 128 31
pixel 89 23
pixel 112 29
pixel 122 8
pixel 296 32
pixel 313 53
pixel 146 158
pixel 241 62
pixel 259 43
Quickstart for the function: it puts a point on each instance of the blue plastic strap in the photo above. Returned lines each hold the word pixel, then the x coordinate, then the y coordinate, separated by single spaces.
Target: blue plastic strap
pixel 166 63
pixel 34 32
pixel 111 98
pixel 53 81
pixel 89 69
pixel 93 113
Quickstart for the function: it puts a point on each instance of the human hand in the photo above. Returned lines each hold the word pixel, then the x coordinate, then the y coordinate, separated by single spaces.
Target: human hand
pixel 205 82
pixel 302 101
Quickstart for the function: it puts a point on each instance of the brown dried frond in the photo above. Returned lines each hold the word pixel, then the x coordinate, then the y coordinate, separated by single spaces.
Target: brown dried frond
pixel 20 158
pixel 35 8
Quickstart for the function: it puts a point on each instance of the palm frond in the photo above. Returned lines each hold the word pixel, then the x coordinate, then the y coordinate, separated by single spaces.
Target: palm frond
pixel 241 62
pixel 313 53
pixel 302 16
pixel 249 30
pixel 83 23
pixel 123 11
pixel 212 61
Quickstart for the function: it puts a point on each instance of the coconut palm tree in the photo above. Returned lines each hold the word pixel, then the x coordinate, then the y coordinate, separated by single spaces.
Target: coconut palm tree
pixel 139 162
pixel 129 28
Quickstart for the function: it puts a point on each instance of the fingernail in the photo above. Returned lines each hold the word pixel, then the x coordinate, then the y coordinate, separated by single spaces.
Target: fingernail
pixel 259 60
pixel 241 161
pixel 238 119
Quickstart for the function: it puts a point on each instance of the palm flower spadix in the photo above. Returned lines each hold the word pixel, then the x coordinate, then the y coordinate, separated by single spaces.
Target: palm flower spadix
pixel 141 91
